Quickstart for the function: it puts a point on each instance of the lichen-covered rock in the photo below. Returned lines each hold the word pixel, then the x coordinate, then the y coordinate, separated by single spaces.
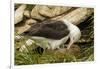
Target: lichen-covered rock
pixel 51 11
pixel 22 29
pixel 27 13
pixel 35 13
pixel 29 42
pixel 18 37
pixel 23 49
pixel 30 21
pixel 79 15
pixel 18 17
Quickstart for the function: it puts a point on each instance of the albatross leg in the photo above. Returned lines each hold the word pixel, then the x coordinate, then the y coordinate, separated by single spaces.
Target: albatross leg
pixel 70 43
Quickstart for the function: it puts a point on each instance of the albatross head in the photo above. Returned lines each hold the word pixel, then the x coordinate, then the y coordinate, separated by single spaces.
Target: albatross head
pixel 75 33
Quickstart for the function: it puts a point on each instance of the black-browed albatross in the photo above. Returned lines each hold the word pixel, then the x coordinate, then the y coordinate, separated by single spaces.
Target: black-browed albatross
pixel 56 32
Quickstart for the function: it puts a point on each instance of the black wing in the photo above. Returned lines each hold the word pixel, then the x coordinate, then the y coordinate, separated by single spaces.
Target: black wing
pixel 49 29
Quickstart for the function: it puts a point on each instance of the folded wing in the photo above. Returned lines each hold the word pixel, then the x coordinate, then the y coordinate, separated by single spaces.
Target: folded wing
pixel 51 29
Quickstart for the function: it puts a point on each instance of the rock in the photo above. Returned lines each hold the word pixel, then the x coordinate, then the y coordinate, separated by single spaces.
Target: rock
pixel 23 49
pixel 27 13
pixel 18 37
pixel 78 15
pixel 49 11
pixel 22 29
pixel 30 21
pixel 18 17
pixel 35 13
pixel 29 42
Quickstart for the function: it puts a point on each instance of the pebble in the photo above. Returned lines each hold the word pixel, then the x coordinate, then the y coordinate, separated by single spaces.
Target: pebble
pixel 29 42
pixel 23 48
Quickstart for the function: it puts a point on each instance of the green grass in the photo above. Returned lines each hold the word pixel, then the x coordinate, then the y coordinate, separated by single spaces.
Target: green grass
pixel 33 57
